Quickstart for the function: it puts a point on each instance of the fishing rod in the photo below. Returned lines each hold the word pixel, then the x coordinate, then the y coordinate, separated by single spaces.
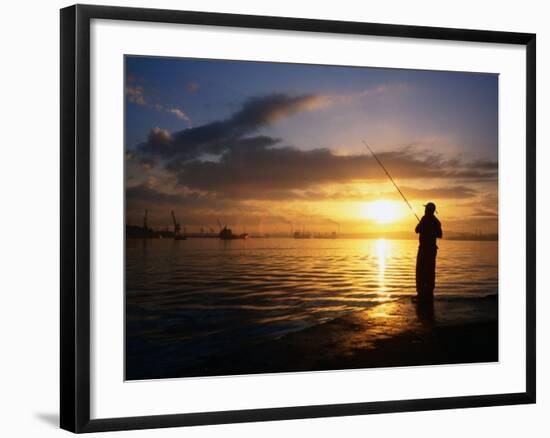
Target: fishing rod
pixel 391 179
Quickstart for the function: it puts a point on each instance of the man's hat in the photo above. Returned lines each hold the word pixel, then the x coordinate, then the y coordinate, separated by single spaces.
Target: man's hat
pixel 430 206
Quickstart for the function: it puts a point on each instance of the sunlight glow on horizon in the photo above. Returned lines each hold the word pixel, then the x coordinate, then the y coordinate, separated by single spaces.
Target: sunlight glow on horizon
pixel 381 254
pixel 382 211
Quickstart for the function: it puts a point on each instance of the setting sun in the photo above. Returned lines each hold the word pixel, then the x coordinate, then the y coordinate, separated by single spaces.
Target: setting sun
pixel 382 211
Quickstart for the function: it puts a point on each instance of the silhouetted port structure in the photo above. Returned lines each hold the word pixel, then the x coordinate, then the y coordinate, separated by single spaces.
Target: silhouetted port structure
pixel 177 229
pixel 227 234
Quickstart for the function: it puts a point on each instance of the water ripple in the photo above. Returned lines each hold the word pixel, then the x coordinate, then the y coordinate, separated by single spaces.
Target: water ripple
pixel 203 292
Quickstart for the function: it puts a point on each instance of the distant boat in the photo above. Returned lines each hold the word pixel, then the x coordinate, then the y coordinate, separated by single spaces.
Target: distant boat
pixel 227 234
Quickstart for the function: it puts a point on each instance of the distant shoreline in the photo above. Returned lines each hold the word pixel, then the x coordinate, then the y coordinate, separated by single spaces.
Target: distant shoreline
pixel 135 232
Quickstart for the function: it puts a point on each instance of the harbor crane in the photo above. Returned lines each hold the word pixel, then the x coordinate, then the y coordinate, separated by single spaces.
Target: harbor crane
pixel 177 228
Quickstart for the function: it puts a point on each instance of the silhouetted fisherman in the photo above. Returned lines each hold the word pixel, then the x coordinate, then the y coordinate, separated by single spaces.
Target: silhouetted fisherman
pixel 429 230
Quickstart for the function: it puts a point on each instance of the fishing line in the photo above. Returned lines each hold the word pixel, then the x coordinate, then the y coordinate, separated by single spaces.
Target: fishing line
pixel 391 179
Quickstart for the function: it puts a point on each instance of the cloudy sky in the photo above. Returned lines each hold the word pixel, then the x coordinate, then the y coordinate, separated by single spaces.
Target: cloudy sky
pixel 262 146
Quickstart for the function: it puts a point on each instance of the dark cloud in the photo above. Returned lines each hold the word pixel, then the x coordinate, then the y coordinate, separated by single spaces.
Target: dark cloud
pixel 230 159
pixel 344 194
pixel 223 135
pixel 143 195
pixel 453 192
pixel 412 193
pixel 192 208
pixel 269 172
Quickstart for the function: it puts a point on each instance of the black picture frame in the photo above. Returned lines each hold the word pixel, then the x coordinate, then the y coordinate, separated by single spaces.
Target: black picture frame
pixel 75 217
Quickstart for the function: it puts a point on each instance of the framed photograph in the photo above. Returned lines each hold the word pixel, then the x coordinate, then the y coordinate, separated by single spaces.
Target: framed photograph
pixel 270 218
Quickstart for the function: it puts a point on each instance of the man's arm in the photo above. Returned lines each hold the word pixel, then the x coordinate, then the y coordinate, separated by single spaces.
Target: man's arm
pixel 418 226
pixel 439 232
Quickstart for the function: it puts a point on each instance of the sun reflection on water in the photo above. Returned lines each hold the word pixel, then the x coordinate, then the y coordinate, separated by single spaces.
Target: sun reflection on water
pixel 381 254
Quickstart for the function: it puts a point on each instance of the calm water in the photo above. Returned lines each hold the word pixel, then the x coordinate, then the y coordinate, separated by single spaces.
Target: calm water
pixel 202 297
